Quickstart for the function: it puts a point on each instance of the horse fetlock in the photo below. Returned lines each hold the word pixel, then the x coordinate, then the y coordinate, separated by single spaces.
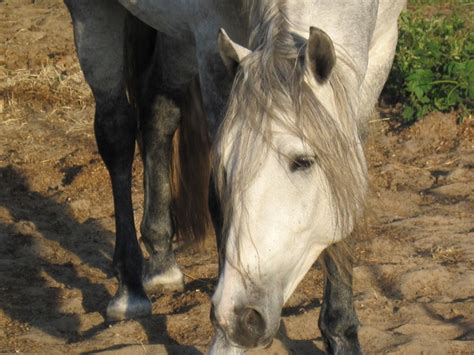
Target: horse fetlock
pixel 342 342
pixel 128 304
pixel 163 276
pixel 342 346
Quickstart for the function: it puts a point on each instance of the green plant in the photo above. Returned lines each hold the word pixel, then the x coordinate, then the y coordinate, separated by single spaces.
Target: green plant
pixel 434 64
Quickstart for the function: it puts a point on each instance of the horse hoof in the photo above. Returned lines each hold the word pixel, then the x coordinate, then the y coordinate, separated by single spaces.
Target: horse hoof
pixel 171 279
pixel 127 305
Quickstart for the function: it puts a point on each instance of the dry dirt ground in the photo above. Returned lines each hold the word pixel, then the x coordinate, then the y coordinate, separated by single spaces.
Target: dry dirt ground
pixel 414 278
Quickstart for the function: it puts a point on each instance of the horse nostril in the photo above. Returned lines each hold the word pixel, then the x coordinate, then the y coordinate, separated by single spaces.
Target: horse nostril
pixel 252 326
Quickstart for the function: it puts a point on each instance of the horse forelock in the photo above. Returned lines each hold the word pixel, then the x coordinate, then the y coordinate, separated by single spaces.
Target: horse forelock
pixel 272 89
pixel 268 23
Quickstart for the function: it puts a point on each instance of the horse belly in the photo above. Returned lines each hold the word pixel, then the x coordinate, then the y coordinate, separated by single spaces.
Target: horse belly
pixel 170 17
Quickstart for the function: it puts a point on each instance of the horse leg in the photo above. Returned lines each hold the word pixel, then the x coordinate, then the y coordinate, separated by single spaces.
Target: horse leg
pixel 338 320
pixel 99 35
pixel 157 129
pixel 158 123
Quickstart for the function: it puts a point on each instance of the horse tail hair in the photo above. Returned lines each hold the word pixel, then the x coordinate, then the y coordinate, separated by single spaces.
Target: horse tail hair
pixel 190 171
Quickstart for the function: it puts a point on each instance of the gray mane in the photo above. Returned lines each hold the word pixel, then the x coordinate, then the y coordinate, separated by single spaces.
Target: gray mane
pixel 272 87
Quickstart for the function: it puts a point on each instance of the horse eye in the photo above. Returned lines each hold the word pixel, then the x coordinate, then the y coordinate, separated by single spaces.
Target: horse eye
pixel 301 163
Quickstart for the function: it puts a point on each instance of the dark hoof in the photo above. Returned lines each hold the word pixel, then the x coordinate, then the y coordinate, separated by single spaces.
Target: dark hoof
pixel 128 305
pixel 170 279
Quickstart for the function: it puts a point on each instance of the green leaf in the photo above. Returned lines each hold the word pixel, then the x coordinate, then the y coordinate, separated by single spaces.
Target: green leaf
pixel 434 66
pixel 408 113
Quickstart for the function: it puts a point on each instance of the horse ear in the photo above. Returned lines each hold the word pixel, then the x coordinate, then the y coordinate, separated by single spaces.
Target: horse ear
pixel 231 53
pixel 320 55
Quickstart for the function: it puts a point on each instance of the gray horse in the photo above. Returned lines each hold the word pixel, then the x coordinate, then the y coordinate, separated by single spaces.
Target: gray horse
pixel 286 88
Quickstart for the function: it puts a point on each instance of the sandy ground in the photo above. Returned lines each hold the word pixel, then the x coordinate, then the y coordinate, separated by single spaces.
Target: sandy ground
pixel 414 278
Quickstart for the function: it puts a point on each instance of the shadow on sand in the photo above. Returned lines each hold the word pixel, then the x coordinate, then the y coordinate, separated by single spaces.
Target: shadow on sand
pixel 34 284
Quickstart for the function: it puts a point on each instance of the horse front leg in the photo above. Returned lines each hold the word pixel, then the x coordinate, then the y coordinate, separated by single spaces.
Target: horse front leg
pixel 99 28
pixel 115 130
pixel 338 320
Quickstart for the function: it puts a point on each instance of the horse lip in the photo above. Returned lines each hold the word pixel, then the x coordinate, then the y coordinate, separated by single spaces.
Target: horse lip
pixel 265 345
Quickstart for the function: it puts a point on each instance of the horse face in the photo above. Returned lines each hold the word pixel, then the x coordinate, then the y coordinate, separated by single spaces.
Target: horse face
pixel 280 223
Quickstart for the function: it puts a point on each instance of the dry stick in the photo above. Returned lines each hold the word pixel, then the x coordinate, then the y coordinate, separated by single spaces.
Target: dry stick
pixel 380 120
pixel 195 279
pixel 143 347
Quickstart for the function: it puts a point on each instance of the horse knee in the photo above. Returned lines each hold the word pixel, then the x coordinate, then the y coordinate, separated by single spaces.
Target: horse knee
pixel 166 118
pixel 158 232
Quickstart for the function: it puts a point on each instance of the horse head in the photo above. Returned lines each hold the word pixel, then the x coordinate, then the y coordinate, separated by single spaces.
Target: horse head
pixel 290 174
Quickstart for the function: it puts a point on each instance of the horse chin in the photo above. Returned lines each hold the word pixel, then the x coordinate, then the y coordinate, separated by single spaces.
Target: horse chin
pixel 220 345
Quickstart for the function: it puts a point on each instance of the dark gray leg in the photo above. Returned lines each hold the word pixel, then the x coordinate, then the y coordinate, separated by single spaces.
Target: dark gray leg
pixel 99 34
pixel 157 129
pixel 338 320
pixel 115 133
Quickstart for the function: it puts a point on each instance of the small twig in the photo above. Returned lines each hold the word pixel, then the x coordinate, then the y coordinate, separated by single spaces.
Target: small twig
pixel 143 346
pixel 195 279
pixel 380 120
pixel 190 277
pixel 9 120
